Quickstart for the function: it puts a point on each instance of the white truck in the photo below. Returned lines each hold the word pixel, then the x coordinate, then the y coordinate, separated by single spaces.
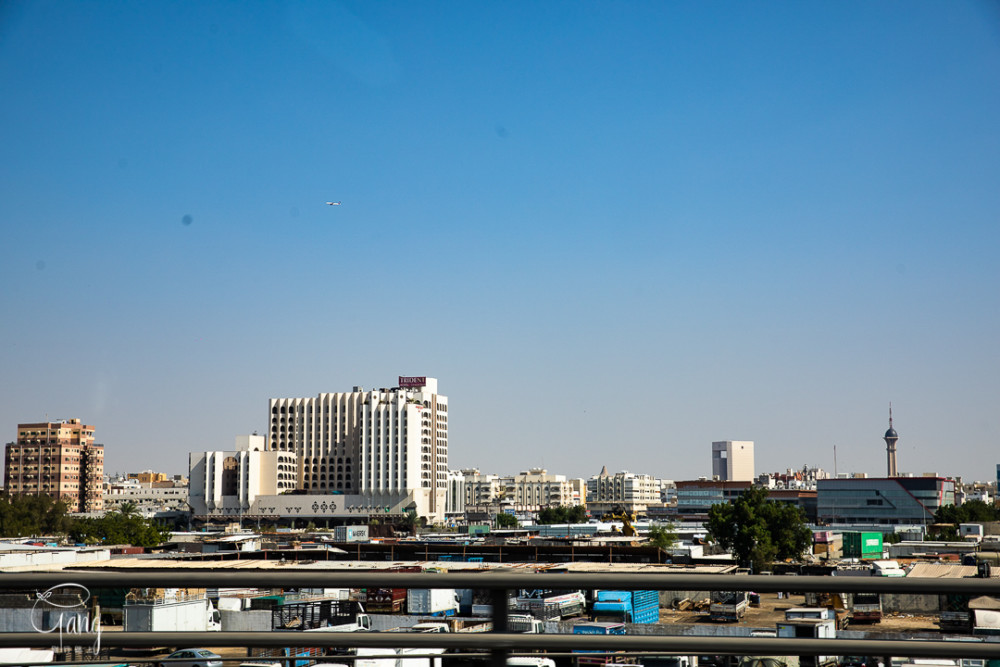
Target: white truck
pixel 171 615
pixel 525 623
pixel 432 602
pixel 361 623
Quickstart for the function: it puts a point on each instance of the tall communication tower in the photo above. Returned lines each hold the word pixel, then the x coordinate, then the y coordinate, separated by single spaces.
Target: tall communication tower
pixel 890 447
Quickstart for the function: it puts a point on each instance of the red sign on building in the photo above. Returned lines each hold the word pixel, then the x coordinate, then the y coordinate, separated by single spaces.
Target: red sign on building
pixel 410 382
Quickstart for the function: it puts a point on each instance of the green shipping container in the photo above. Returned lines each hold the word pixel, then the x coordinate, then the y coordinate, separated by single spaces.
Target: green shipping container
pixel 863 545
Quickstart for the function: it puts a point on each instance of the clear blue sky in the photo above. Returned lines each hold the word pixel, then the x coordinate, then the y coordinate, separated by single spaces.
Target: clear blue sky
pixel 614 231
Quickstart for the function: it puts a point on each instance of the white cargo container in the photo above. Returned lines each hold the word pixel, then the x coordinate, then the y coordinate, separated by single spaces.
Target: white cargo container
pixel 196 615
pixel 350 534
pixel 432 602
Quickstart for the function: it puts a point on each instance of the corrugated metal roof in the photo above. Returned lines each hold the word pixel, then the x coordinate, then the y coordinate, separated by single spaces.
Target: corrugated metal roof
pixel 942 571
pixel 452 566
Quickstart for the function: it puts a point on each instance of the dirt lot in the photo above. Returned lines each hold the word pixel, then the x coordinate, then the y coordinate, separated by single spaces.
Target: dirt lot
pixel 772 610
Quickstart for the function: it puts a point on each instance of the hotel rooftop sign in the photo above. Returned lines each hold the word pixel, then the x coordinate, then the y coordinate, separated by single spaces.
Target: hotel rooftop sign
pixel 409 382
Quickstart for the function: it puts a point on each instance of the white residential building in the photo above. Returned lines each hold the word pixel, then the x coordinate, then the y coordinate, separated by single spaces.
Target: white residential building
pixel 455 500
pixel 732 460
pixel 230 483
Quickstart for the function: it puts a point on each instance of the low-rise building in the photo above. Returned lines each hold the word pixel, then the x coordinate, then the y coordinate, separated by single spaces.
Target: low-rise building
pixel 149 498
pixel 885 500
pixel 228 483
pixel 632 492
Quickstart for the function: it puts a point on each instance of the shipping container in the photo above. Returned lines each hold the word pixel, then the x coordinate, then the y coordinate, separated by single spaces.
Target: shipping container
pixel 350 533
pixel 432 602
pixel 862 545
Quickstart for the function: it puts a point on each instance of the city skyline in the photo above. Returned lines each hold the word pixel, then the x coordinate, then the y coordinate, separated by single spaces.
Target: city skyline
pixel 614 233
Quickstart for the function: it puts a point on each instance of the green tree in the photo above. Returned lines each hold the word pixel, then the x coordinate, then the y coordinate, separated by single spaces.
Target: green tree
pixel 971 511
pixel 758 531
pixel 128 508
pixel 504 520
pixel 663 537
pixel 411 522
pixel 21 516
pixel 563 514
pixel 117 528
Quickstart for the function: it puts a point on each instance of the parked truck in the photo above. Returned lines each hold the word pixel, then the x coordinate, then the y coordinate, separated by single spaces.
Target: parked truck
pixel 361 623
pixel 525 623
pixel 386 600
pixel 171 615
pixel 432 602
pixel 626 606
pixel 866 608
pixel 546 604
pixel 308 655
pixel 728 606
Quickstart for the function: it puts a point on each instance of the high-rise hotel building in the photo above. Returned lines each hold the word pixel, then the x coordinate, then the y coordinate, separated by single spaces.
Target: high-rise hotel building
pixel 57 459
pixel 382 443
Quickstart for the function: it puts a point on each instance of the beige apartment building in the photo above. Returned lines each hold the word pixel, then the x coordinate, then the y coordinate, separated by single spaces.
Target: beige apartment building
pixel 58 459
pixel 528 491
pixel 633 492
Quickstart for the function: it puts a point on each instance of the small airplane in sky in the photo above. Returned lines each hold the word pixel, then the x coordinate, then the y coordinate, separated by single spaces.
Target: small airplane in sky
pixel 333 203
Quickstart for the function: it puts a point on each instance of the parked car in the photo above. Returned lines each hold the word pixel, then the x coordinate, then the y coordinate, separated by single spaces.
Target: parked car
pixel 193 657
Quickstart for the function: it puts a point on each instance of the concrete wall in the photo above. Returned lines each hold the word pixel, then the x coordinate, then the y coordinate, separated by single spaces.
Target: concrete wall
pixel 911 604
pixel 246 621
pixel 44 618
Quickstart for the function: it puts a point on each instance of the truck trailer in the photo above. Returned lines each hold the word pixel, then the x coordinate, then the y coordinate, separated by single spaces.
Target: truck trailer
pixel 626 606
pixel 171 615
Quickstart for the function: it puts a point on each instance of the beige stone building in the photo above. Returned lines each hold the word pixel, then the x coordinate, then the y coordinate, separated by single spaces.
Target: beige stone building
pixel 58 459
pixel 634 493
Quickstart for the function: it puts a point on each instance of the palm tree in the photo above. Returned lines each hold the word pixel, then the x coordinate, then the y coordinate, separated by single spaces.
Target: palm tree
pixel 128 509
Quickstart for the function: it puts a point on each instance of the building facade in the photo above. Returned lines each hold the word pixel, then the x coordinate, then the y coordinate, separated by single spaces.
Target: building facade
pixel 385 444
pixel 888 500
pixel 228 484
pixel 535 489
pixel 58 459
pixel 732 460
pixel 147 498
pixel 695 497
pixel 630 491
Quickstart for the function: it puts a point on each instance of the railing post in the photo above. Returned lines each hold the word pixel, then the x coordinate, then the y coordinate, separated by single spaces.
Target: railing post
pixel 498 657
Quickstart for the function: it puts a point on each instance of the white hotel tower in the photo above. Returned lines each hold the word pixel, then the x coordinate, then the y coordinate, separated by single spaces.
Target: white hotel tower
pixel 382 444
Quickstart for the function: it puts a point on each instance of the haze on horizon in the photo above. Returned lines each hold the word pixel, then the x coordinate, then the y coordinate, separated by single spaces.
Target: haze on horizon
pixel 614 232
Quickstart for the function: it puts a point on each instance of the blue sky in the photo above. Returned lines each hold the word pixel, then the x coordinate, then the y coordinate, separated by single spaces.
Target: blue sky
pixel 615 232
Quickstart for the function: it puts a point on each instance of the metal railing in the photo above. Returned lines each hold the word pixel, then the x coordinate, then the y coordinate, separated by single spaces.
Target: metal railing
pixel 501 643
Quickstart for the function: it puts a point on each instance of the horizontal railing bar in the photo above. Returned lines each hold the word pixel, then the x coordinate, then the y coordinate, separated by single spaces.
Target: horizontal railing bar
pixel 659 644
pixel 208 578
